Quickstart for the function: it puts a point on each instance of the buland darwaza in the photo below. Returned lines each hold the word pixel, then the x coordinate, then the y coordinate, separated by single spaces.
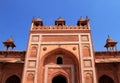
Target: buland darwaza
pixel 60 54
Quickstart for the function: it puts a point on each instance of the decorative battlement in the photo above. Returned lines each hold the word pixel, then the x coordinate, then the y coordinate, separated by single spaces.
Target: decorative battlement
pixel 12 56
pixel 107 53
pixel 4 52
pixel 59 27
pixel 82 24
pixel 107 56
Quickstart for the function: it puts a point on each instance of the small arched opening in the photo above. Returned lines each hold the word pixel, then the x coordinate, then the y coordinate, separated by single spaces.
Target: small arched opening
pixel 59 79
pixel 59 60
pixel 105 79
pixel 13 79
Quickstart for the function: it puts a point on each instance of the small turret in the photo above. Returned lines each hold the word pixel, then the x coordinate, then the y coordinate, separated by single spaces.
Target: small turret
pixel 37 22
pixel 83 22
pixel 110 44
pixel 9 43
pixel 60 21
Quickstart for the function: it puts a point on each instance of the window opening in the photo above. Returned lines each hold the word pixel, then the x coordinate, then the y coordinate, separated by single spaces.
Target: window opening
pixel 59 60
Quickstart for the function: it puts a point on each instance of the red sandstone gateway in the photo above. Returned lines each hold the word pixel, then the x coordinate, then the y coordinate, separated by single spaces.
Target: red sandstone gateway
pixel 60 54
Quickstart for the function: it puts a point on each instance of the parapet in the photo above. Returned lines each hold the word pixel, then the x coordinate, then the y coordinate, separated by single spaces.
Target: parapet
pixel 82 24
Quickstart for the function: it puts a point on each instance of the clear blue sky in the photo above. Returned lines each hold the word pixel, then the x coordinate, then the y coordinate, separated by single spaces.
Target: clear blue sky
pixel 16 16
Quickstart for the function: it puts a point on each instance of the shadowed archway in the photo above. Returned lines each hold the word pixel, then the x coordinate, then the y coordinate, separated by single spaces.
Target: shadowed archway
pixel 105 79
pixel 59 79
pixel 60 57
pixel 13 79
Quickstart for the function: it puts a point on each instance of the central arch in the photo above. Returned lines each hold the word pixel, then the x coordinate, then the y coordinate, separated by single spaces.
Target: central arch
pixel 59 79
pixel 67 59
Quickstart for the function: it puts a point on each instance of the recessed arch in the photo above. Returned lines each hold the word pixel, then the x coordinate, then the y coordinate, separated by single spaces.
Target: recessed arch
pixel 49 59
pixel 60 51
pixel 13 79
pixel 105 79
pixel 59 79
pixel 86 51
pixel 33 52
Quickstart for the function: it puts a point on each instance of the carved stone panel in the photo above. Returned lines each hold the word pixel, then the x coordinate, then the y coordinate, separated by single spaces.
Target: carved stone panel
pixel 88 77
pixel 30 77
pixel 84 38
pixel 33 51
pixel 35 38
pixel 87 63
pixel 86 50
pixel 32 64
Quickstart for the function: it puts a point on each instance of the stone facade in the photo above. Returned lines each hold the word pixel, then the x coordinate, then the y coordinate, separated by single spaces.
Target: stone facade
pixel 60 54
pixel 108 66
pixel 11 65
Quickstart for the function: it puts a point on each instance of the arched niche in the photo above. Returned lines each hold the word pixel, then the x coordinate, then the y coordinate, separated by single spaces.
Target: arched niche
pixel 33 51
pixel 13 79
pixel 88 78
pixel 86 51
pixel 59 52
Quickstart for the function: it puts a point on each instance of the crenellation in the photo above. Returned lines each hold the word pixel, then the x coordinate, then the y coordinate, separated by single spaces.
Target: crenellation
pixel 59 27
pixel 12 52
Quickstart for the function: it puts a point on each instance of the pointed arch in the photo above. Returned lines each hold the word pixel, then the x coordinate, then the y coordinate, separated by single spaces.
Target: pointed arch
pixel 105 79
pixel 59 73
pixel 68 59
pixel 13 79
pixel 60 51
